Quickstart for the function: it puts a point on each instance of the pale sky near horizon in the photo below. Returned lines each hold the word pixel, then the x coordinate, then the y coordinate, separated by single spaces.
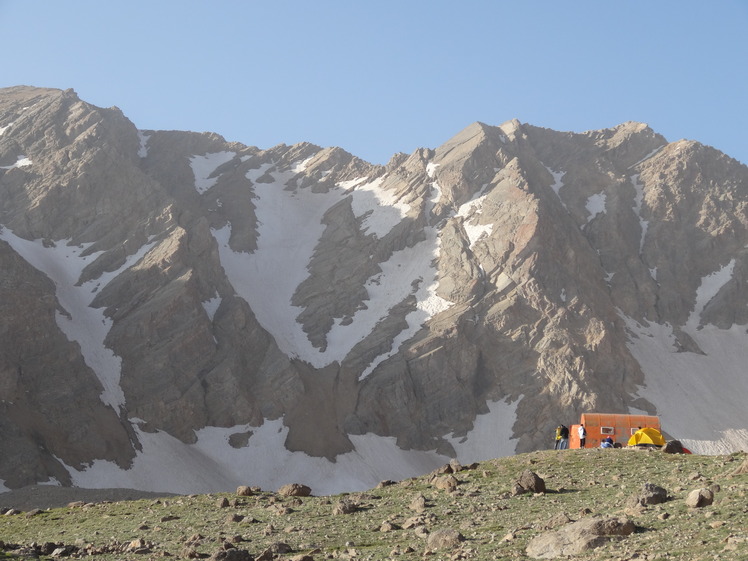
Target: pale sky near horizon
pixel 377 78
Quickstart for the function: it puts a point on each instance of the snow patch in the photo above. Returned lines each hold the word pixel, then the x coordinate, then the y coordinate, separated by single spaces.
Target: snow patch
pixel 143 149
pixel 211 464
pixel 708 289
pixel 381 209
pixel 595 205
pixel 648 156
pixel 5 128
pixel 351 183
pixel 491 436
pixel 21 162
pixel 51 482
pixel 558 180
pixel 638 200
pixel 87 326
pixel 406 268
pixel 211 306
pixel 471 212
pixel 268 278
pixel 731 440
pixel 693 392
pixel 431 169
pixel 204 166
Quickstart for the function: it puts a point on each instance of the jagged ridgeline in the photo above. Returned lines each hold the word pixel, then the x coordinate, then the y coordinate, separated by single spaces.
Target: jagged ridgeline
pixel 182 313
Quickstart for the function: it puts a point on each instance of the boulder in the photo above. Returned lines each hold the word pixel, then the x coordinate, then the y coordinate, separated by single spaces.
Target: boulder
pixel 295 490
pixel 673 447
pixel 444 538
pixel 649 494
pixel 699 498
pixel 531 482
pixel 578 537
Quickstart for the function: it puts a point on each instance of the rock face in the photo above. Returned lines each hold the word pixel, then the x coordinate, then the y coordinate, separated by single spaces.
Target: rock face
pixel 165 282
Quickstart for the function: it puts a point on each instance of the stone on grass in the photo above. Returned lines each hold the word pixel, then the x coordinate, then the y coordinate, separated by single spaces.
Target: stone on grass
pixel 699 498
pixel 578 537
pixel 444 538
pixel 649 494
pixel 295 490
pixel 531 482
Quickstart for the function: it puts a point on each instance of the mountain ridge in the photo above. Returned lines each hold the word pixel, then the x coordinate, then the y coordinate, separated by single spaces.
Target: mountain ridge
pixel 211 287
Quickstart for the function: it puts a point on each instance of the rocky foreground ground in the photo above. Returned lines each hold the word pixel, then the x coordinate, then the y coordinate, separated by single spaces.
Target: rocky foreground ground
pixel 590 504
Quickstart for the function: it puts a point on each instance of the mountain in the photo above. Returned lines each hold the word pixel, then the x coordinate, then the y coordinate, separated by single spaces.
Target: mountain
pixel 182 313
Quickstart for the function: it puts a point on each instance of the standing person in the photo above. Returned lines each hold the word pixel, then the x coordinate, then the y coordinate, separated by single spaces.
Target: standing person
pixel 557 443
pixel 582 435
pixel 564 442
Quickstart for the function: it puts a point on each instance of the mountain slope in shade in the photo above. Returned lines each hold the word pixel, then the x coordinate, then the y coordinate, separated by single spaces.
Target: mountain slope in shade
pixel 183 313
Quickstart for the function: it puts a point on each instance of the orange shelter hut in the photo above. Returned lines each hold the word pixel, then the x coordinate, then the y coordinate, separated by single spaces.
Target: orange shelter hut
pixel 618 427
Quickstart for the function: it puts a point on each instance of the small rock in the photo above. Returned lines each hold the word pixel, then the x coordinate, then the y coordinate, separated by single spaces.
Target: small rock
pixel 557 520
pixel 447 483
pixel 418 504
pixel 699 498
pixel 421 532
pixel 388 526
pixel 244 491
pixel 345 507
pixel 673 447
pixel 232 554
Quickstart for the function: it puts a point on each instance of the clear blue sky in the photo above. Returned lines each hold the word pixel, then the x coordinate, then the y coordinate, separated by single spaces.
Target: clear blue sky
pixel 385 76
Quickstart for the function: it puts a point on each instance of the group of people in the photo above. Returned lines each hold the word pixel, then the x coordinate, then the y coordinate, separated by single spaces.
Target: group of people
pixel 562 438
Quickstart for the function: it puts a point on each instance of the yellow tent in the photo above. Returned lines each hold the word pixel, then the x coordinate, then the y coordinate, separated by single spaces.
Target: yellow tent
pixel 647 436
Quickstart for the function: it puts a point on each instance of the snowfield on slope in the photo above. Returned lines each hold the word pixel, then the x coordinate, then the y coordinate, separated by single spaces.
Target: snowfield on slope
pixel 166 464
pixel 268 278
pixel 686 386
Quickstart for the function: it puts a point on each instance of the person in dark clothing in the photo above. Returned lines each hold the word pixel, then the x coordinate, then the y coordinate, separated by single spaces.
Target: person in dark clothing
pixel 564 441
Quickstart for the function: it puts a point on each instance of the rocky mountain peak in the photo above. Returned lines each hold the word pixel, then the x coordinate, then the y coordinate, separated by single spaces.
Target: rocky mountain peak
pixel 170 290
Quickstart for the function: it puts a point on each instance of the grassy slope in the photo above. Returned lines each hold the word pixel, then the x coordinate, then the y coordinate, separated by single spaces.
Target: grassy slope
pixel 495 524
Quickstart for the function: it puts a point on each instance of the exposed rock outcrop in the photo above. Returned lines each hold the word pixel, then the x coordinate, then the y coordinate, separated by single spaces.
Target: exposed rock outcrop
pixel 166 282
